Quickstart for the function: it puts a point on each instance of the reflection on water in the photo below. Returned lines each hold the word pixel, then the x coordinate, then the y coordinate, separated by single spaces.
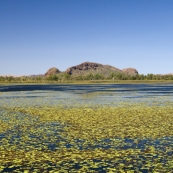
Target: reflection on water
pixel 71 95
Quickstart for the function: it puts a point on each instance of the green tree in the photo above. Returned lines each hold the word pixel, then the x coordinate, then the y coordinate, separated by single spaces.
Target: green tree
pixel 98 77
pixel 66 76
pixel 149 76
pixel 89 76
pixel 53 77
pixel 79 78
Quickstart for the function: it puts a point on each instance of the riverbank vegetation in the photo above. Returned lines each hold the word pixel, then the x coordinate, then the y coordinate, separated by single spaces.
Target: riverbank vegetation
pixel 89 78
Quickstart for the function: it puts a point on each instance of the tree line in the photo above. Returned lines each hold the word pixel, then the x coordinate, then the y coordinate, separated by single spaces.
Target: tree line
pixel 62 77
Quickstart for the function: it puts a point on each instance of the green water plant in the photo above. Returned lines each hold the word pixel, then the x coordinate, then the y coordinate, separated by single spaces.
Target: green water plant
pixel 111 139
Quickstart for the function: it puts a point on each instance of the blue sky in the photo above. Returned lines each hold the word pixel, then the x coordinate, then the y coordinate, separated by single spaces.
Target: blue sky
pixel 38 34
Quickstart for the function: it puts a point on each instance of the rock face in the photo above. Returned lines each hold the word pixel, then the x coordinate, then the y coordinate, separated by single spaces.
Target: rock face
pixel 94 68
pixel 84 66
pixel 130 71
pixel 52 70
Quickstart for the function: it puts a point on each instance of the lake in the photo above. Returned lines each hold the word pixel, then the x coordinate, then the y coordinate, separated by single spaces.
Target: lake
pixel 86 94
pixel 86 128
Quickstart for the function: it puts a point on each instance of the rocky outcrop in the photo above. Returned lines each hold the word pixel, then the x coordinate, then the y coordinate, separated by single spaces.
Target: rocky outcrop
pixel 94 68
pixel 52 70
pixel 84 66
pixel 130 71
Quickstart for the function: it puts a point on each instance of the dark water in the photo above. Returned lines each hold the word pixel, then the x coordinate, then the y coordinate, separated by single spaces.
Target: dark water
pixel 92 94
pixel 80 89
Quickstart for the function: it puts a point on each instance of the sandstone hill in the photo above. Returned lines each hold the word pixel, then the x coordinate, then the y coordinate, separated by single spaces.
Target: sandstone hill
pixel 130 71
pixel 86 68
pixel 94 68
pixel 52 70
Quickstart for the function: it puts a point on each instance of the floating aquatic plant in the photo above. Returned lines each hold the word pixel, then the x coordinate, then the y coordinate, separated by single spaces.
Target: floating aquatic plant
pixel 122 137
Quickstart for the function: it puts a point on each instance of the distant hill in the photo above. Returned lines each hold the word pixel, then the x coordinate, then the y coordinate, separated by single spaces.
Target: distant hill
pixel 130 71
pixel 52 70
pixel 94 68
pixel 169 74
pixel 86 68
pixel 36 75
pixel 9 75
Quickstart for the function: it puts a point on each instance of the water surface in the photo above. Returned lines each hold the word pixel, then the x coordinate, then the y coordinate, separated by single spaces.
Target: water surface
pixel 27 133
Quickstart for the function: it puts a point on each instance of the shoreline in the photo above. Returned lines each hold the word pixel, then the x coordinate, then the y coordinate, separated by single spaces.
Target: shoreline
pixel 93 82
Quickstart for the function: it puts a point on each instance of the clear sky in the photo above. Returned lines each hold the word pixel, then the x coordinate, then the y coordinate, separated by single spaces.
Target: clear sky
pixel 36 35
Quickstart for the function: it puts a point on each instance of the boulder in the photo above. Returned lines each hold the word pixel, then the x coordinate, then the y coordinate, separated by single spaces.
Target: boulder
pixel 51 71
pixel 130 71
